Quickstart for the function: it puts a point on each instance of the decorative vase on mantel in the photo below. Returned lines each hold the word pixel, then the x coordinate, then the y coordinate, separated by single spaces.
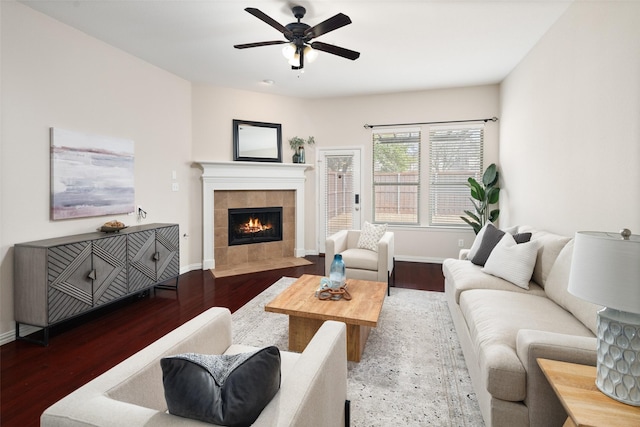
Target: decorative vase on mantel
pixel 297 145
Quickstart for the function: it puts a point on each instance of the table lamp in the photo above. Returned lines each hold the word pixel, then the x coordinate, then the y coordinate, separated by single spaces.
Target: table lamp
pixel 605 270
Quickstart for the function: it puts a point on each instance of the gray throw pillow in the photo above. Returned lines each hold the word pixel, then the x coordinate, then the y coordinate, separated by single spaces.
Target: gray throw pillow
pixel 228 390
pixel 490 239
pixel 522 237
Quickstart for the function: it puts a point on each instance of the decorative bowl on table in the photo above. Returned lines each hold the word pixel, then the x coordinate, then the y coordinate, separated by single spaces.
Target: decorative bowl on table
pixel 112 227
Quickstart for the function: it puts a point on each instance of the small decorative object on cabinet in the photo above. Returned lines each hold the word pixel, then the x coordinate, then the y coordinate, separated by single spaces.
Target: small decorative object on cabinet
pixel 61 278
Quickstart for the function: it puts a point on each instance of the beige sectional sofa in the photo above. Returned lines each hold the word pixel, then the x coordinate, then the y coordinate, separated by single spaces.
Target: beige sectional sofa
pixel 504 328
pixel 312 393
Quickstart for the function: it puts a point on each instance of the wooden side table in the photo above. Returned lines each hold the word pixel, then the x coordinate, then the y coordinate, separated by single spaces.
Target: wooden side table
pixel 575 386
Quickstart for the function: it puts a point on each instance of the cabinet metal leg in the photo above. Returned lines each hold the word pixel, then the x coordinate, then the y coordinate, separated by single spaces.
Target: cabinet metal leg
pixel 45 337
pixel 169 287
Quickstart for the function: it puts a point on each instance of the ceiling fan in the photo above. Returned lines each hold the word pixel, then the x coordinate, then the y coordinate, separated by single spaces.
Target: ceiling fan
pixel 299 36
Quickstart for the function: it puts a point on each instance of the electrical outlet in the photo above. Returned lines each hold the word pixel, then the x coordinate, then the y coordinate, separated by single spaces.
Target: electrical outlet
pixel 461 243
pixel 175 187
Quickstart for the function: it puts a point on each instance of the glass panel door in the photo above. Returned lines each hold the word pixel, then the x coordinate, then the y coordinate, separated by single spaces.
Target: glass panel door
pixel 339 192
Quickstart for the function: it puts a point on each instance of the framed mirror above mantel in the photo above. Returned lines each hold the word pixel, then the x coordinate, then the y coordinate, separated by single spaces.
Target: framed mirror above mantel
pixel 257 141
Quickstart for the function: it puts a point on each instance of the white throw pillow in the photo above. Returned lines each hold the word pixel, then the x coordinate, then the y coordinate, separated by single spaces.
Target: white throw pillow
pixel 511 261
pixel 370 235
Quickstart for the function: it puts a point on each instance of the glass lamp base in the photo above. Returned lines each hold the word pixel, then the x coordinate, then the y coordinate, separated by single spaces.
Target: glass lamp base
pixel 618 366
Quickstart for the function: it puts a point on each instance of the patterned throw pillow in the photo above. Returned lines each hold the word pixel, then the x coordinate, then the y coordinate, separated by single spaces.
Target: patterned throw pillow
pixel 370 235
pixel 228 390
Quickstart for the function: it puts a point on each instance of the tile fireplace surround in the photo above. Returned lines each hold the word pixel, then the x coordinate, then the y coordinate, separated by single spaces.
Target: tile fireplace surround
pixel 244 176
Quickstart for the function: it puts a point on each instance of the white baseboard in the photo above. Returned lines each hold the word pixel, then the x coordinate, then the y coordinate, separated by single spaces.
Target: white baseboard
pixel 10 336
pixel 429 260
pixel 191 267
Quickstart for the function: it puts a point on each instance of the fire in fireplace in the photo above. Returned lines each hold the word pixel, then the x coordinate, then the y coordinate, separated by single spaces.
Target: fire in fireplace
pixel 255 225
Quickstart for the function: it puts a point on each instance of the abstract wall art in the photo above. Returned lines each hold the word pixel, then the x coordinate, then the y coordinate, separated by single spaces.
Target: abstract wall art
pixel 91 175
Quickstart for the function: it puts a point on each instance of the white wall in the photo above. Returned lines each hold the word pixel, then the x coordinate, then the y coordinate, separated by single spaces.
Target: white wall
pixel 339 122
pixel 55 76
pixel 570 124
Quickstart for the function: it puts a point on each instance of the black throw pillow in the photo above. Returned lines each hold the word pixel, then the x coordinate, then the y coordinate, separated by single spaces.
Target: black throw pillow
pixel 522 237
pixel 228 390
pixel 489 241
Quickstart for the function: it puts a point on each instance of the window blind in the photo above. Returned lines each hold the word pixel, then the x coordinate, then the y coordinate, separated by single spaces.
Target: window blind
pixel 396 176
pixel 455 154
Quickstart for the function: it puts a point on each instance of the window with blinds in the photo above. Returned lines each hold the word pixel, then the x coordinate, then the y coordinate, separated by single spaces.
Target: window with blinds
pixel 455 154
pixel 396 176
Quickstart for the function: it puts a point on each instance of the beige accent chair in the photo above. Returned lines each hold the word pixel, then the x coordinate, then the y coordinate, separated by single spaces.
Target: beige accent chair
pixel 362 264
pixel 313 389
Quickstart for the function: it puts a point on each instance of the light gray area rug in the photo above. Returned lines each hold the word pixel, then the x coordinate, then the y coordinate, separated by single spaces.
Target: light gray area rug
pixel 412 370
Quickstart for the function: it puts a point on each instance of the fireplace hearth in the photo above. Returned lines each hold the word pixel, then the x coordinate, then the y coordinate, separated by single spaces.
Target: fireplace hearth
pixel 254 225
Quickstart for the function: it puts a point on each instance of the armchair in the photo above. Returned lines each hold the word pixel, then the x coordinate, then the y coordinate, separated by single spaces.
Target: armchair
pixel 360 263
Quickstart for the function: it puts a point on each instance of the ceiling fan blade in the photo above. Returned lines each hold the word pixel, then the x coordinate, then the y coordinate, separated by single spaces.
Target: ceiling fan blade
pixel 336 50
pixel 265 18
pixel 333 23
pixel 258 44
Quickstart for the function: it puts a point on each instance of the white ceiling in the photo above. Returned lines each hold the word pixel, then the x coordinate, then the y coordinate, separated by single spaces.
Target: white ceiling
pixel 404 45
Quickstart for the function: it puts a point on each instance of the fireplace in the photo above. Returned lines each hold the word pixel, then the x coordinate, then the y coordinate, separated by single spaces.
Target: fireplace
pixel 254 225
pixel 228 185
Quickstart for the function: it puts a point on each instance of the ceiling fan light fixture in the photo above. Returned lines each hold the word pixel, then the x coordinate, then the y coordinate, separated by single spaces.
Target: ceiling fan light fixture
pixel 295 61
pixel 310 54
pixel 289 51
pixel 299 36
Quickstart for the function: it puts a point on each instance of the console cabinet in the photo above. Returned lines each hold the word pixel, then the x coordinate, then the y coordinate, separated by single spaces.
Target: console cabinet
pixel 57 279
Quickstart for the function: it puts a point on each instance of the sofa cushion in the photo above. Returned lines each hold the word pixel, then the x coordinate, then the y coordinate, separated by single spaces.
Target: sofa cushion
pixel 490 239
pixel 463 276
pixel 549 246
pixel 494 318
pixel 512 261
pixel 360 259
pixel 229 390
pixel 486 249
pixel 556 289
pixel 371 235
pixel 477 242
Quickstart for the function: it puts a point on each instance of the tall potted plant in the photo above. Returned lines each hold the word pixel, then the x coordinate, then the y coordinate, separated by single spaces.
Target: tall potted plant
pixel 483 196
pixel 297 144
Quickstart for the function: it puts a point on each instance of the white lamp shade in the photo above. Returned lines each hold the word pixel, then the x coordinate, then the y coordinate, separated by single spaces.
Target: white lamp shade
pixel 605 270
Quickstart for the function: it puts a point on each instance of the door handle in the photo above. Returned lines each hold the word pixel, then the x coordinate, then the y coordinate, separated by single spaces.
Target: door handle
pixel 357 199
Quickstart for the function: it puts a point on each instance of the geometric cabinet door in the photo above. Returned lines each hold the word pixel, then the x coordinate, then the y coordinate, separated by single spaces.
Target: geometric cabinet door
pixel 154 256
pixel 84 275
pixel 168 248
pixel 109 269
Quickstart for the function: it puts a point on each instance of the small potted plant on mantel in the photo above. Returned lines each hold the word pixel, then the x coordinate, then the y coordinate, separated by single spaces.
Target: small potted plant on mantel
pixel 297 145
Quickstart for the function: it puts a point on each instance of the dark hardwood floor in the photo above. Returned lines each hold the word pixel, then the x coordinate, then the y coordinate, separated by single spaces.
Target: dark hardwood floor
pixel 34 377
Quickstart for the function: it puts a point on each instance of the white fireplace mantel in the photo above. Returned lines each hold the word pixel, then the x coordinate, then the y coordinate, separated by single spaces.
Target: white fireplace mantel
pixel 249 176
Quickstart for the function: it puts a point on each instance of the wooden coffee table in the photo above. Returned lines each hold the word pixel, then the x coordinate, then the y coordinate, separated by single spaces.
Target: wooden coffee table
pixel 307 313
